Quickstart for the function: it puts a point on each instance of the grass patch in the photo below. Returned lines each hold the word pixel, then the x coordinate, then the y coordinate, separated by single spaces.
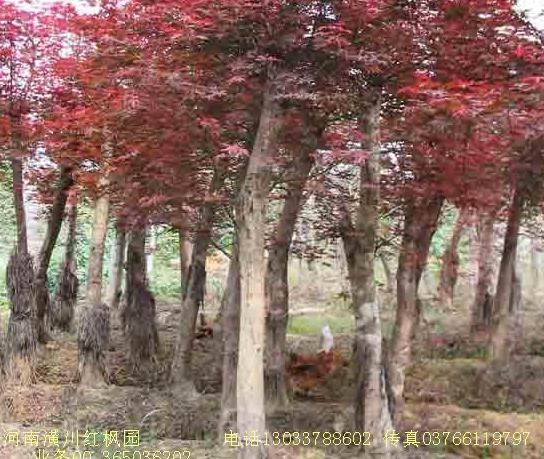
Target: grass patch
pixel 307 324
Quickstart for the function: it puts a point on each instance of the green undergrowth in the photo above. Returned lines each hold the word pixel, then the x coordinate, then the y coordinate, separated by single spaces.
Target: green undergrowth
pixel 305 324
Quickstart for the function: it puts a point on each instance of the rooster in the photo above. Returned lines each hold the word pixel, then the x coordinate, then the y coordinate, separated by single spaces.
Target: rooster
pixel 307 371
pixel 203 330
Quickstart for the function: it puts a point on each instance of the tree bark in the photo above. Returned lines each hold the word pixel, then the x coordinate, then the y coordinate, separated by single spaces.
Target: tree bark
pixel 193 297
pixel 450 263
pixel 115 290
pixel 18 199
pixel 21 338
pixel 473 262
pixel 252 199
pixel 230 329
pixel 420 223
pixel 66 295
pixel 94 321
pixel 54 223
pixel 372 411
pixel 482 307
pixel 276 284
pixel 535 269
pixel 389 278
pixel 184 257
pixel 138 315
pixel 500 342
pixel 150 253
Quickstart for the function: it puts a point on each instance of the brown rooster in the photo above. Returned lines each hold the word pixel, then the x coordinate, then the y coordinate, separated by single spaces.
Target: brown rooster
pixel 307 371
pixel 203 330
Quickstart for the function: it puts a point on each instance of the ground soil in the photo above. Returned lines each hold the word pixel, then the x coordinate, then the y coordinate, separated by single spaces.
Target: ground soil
pixel 449 388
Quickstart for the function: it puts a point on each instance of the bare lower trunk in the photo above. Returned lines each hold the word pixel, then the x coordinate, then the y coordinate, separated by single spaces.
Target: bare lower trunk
pixel 372 407
pixel 372 411
pixel 500 342
pixel 389 278
pixel 139 311
pixel 276 285
pixel 535 274
pixel 115 290
pixel 277 296
pixel 230 326
pixel 483 301
pixel 94 321
pixel 54 223
pixel 193 297
pixel 252 199
pixel 21 338
pixel 450 264
pixel 66 295
pixel 65 299
pixel 420 224
pixel 472 264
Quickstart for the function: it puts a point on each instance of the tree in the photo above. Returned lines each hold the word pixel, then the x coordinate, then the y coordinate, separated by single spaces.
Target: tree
pixel 483 300
pixel 53 228
pixel 230 326
pixel 117 265
pixel 138 315
pixel 500 342
pixel 67 288
pixel 94 321
pixel 372 411
pixel 450 263
pixel 18 71
pixel 421 219
pixel 251 239
pixel 276 284
pixel 526 174
pixel 193 296
pixel 185 250
pixel 22 336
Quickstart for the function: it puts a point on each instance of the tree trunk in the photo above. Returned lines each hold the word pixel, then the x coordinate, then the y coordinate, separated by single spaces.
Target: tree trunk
pixel 252 199
pixel 535 269
pixel 372 412
pixel 139 311
pixel 150 253
pixel 500 342
pixel 230 329
pixel 420 223
pixel 18 198
pixel 472 265
pixel 184 257
pixel 54 223
pixel 115 290
pixel 450 264
pixel 276 284
pixel 193 297
pixel 21 338
pixel 94 321
pixel 482 307
pixel 66 295
pixel 389 278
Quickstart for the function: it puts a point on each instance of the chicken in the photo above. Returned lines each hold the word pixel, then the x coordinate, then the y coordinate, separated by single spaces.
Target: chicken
pixel 203 330
pixel 307 371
